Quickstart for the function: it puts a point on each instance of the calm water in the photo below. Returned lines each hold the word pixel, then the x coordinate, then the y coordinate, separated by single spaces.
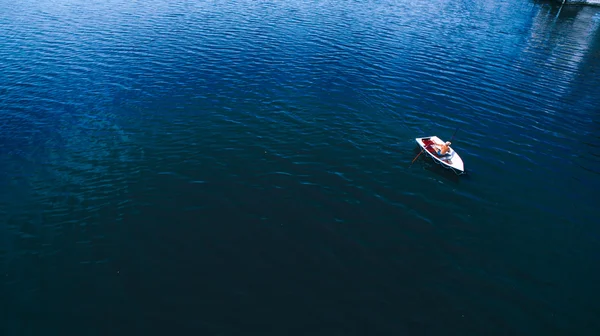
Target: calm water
pixel 243 168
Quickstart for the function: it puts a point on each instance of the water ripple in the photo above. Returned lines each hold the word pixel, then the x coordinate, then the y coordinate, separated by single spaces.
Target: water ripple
pixel 301 116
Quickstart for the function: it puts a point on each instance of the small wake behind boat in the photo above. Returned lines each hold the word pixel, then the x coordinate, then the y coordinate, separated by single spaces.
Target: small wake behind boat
pixel 450 160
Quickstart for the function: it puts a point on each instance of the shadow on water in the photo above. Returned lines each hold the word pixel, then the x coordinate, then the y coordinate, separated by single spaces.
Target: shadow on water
pixel 555 5
pixel 575 27
pixel 563 13
pixel 588 38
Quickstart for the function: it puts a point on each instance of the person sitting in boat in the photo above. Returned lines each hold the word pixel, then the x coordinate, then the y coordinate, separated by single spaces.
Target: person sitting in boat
pixel 443 149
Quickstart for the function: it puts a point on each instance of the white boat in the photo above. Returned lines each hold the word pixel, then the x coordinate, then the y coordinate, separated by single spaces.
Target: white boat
pixel 450 160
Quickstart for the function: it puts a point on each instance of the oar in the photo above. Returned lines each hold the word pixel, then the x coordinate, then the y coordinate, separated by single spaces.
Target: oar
pixel 413 161
pixel 454 134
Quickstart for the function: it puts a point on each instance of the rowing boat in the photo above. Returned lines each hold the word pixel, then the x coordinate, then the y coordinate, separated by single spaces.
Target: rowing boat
pixel 450 160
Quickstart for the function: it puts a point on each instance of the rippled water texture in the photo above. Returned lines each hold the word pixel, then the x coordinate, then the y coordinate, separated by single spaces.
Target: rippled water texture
pixel 243 167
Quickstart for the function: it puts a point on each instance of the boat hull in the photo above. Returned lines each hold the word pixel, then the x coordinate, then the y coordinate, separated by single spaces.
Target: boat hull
pixel 451 161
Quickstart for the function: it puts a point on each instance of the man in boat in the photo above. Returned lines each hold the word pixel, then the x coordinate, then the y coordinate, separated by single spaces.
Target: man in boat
pixel 442 149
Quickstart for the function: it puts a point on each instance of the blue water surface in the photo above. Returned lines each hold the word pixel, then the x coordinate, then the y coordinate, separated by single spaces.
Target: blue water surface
pixel 244 167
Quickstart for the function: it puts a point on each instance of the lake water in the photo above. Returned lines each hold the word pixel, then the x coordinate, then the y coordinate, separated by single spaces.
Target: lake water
pixel 244 168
